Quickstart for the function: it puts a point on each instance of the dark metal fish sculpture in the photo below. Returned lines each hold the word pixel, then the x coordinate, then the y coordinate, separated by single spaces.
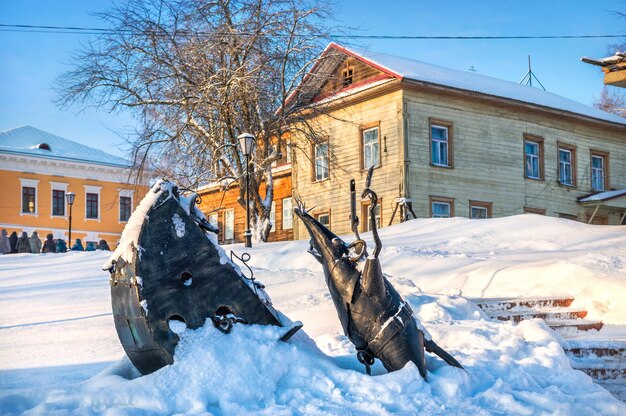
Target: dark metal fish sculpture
pixel 372 313
pixel 168 270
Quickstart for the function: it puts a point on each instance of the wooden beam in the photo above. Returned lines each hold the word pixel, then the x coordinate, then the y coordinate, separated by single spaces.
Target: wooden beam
pixel 595 211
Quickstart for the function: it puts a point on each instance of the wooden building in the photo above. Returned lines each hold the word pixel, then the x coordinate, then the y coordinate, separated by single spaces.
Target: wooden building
pixel 37 170
pixel 450 143
pixel 219 202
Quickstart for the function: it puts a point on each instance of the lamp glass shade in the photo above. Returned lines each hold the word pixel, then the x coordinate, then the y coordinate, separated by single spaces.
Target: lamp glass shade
pixel 70 198
pixel 246 141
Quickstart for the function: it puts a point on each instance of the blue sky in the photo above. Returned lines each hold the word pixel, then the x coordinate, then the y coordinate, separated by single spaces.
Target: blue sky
pixel 29 62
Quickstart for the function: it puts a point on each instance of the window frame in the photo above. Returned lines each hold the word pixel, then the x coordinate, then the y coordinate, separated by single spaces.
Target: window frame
pixel 449 126
pixel 347 76
pixel 539 141
pixel 573 163
pixel 443 200
pixel 290 225
pixel 314 159
pixel 91 189
pixel 58 186
pixel 227 235
pixel 29 183
pixel 362 130
pixel 365 214
pixel 318 215
pixel 273 217
pixel 605 157
pixel 125 193
pixel 481 204
pixel 538 211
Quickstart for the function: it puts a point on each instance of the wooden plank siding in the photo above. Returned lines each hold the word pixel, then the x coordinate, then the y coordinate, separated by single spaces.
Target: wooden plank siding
pixel 217 200
pixel 343 127
pixel 489 157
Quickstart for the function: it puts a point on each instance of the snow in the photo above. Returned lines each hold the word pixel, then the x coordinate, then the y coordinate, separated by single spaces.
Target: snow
pixel 469 81
pixel 179 225
pixel 60 353
pixel 603 196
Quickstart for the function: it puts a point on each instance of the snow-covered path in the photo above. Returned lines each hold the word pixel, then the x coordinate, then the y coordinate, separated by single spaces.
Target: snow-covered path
pixel 59 352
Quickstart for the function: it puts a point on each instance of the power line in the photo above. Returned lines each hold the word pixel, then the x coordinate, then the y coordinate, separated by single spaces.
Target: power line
pixel 95 31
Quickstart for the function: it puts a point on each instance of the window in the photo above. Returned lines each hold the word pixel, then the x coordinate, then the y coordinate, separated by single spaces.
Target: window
pixel 365 214
pixel 324 219
pixel 58 202
pixel 28 200
pixel 125 207
pixel 287 214
pixel 533 157
pixel 370 143
pixel 480 210
pixel 92 202
pixel 441 207
pixel 440 143
pixel 347 75
pixel 229 224
pixel 321 161
pixel 599 170
pixel 58 199
pixel 126 204
pixel 273 216
pixel 92 205
pixel 538 211
pixel 567 164
pixel 568 216
pixel 288 152
pixel 29 196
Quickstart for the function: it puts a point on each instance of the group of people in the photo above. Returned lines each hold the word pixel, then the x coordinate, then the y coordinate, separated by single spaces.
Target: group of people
pixel 25 244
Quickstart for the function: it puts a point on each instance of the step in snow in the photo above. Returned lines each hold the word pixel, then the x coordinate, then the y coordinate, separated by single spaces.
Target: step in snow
pixel 617 387
pixel 596 349
pixel 553 314
pixel 604 373
pixel 573 326
pixel 493 304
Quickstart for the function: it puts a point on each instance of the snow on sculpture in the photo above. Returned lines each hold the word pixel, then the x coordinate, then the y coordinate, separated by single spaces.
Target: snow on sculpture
pixel 168 262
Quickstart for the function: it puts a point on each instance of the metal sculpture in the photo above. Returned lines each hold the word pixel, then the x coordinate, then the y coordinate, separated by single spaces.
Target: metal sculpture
pixel 170 270
pixel 372 313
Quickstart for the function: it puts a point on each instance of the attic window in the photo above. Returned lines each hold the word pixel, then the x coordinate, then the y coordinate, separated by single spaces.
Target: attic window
pixel 347 75
pixel 44 146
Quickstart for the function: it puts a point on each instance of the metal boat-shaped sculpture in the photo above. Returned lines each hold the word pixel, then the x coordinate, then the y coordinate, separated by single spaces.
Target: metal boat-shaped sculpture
pixel 168 271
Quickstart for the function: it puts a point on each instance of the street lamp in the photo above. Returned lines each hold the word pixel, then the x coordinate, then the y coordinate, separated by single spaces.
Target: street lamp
pixel 246 141
pixel 70 201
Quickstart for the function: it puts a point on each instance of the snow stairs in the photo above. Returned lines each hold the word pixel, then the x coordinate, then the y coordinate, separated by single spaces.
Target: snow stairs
pixel 602 360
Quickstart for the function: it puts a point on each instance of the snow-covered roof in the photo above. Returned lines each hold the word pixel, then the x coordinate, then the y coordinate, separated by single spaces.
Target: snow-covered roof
pixel 406 68
pixel 603 196
pixel 30 141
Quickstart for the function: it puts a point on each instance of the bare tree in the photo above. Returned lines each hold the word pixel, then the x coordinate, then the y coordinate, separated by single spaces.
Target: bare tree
pixel 195 75
pixel 611 101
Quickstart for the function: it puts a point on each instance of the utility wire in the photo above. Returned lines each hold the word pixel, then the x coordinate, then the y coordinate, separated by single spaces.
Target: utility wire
pixel 95 31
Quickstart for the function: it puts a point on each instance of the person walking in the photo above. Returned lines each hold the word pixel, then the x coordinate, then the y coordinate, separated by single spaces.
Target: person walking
pixel 5 244
pixel 13 242
pixel 102 245
pixel 35 243
pixel 49 246
pixel 23 244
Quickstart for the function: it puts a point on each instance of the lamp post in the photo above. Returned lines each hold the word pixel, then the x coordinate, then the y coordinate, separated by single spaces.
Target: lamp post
pixel 70 201
pixel 246 141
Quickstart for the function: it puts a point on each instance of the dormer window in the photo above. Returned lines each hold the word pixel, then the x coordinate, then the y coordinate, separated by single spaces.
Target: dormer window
pixel 44 146
pixel 347 74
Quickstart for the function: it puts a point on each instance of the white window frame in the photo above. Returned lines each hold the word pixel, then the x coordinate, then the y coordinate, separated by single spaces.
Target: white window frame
pixel 91 189
pixel 229 224
pixel 213 219
pixel 377 217
pixel 563 166
pixel 128 193
pixel 373 145
pixel 58 186
pixel 597 171
pixel 321 160
pixel 474 208
pixel 438 144
pixel 289 150
pixel 29 183
pixel 324 214
pixel 287 214
pixel 448 204
pixel 273 217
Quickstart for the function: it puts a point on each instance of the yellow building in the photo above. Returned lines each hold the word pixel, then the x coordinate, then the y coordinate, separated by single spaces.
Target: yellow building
pixel 38 169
